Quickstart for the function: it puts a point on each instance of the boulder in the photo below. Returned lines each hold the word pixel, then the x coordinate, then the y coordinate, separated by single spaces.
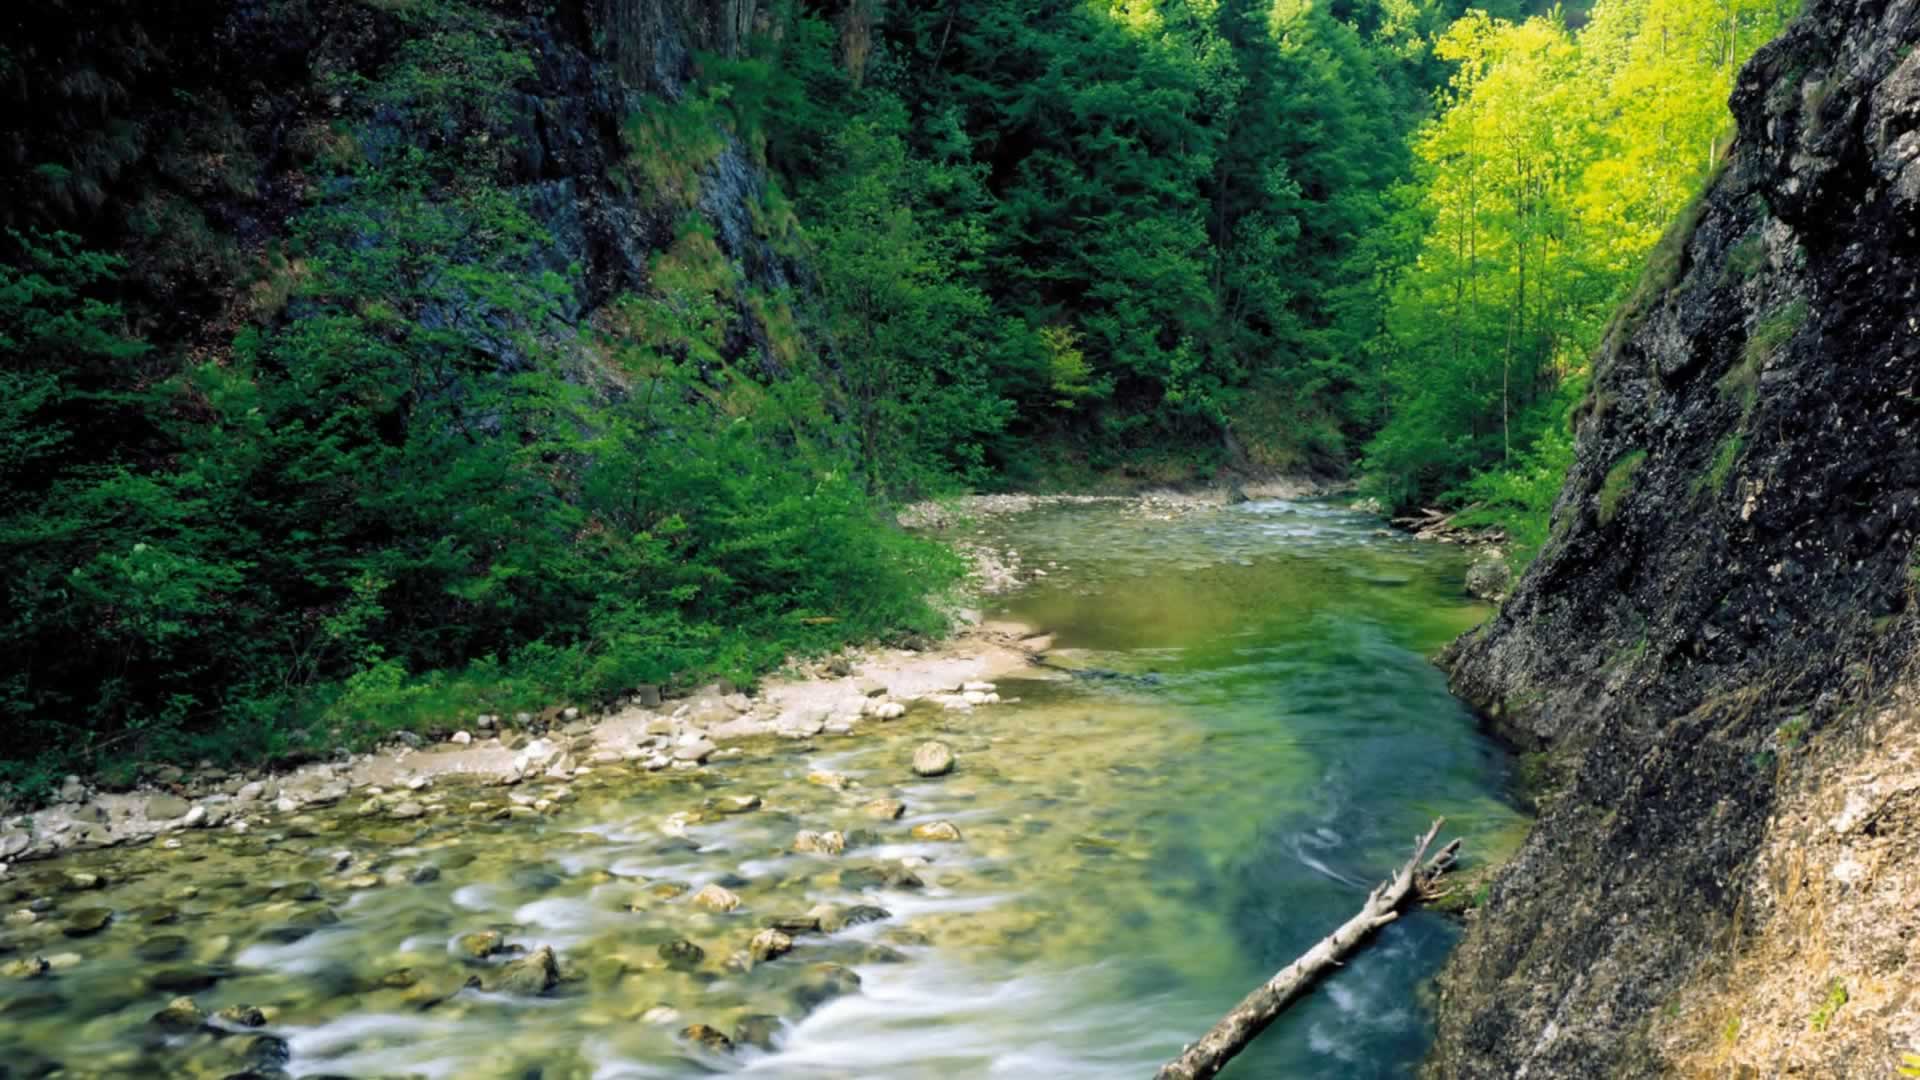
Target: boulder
pixel 716 899
pixel 531 975
pixel 808 842
pixel 933 759
pixel 944 831
pixel 768 944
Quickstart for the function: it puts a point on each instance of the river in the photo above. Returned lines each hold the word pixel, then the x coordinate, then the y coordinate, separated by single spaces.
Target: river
pixel 1240 735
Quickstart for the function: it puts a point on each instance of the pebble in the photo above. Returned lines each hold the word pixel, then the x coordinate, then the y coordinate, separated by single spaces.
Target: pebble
pixel 884 809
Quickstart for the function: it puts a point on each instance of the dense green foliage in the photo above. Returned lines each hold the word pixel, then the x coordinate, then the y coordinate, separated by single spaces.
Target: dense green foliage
pixel 1556 163
pixel 406 485
pixel 315 424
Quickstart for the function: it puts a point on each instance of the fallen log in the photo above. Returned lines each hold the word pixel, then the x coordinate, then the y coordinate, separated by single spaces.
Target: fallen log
pixel 1415 880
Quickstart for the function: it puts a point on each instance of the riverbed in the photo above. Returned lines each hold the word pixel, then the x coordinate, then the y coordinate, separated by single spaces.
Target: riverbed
pixel 1234 734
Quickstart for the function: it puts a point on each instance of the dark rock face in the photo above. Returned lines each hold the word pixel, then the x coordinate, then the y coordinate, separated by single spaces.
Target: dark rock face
pixel 1733 550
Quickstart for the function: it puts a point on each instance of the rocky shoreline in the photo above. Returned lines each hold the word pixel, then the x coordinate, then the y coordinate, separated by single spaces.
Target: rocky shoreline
pixel 836 697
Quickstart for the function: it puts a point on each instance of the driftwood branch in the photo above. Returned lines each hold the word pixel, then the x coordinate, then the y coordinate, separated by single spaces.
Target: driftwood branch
pixel 1416 879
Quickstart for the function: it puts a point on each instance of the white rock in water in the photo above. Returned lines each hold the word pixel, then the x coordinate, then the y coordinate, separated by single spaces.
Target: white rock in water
pixel 286 804
pixel 661 1014
pixel 891 710
pixel 250 791
pixel 461 738
pixel 419 783
pixel 195 818
pixel 978 688
pixel 974 697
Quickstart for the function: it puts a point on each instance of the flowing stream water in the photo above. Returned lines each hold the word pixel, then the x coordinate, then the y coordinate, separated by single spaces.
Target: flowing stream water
pixel 1240 736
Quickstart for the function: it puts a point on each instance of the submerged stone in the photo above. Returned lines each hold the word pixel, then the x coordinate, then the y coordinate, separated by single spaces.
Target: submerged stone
pixel 822 983
pixel 184 980
pixel 682 955
pixel 756 1029
pixel 87 922
pixel 162 947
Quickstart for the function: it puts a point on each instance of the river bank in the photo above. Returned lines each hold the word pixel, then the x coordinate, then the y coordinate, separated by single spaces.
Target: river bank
pixel 833 694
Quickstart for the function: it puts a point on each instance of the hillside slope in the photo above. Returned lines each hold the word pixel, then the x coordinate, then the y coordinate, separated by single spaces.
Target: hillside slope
pixel 1730 583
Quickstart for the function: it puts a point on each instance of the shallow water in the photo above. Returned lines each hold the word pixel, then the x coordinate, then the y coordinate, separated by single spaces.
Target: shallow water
pixel 1251 737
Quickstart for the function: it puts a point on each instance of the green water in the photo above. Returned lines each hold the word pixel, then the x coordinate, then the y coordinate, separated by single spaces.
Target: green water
pixel 1252 738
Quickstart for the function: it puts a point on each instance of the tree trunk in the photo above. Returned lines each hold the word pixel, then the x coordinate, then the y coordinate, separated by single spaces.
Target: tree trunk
pixel 1231 1035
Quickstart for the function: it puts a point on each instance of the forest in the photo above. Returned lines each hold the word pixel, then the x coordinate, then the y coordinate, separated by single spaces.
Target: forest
pixel 318 421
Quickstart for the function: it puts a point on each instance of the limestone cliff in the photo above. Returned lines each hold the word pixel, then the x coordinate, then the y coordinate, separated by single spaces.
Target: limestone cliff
pixel 1727 597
